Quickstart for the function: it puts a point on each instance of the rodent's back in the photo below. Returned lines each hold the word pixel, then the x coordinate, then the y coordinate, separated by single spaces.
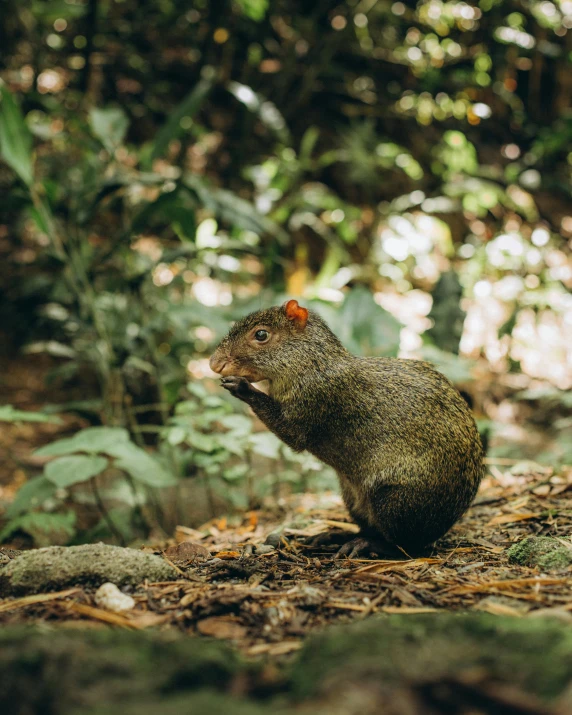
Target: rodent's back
pixel 387 404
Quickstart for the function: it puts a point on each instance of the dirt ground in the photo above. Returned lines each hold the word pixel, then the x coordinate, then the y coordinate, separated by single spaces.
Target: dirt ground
pixel 257 582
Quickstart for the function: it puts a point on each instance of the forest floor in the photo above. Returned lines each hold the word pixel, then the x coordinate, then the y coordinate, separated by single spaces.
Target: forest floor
pixel 478 625
pixel 255 580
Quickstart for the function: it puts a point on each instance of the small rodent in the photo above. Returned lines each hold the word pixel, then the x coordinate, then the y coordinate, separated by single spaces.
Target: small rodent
pixel 399 435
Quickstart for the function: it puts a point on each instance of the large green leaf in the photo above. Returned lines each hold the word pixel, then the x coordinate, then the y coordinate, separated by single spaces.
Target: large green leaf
pixel 185 110
pixel 141 466
pixel 74 469
pixel 30 495
pixel 234 210
pixel 9 414
pixel 365 327
pixel 91 440
pixel 109 126
pixel 15 138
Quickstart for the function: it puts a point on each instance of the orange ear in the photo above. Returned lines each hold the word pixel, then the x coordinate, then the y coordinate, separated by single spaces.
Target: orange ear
pixel 296 313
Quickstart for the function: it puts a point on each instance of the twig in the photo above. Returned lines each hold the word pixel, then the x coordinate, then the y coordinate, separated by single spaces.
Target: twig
pixel 105 514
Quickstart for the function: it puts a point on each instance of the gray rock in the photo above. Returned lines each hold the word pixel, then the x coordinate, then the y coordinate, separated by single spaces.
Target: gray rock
pixel 59 567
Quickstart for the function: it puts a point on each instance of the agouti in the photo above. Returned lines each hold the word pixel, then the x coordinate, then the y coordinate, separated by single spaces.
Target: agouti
pixel 400 437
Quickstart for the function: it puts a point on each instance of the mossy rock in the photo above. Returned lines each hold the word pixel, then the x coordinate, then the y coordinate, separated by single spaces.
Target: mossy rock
pixel 108 671
pixel 394 664
pixel 59 567
pixel 532 654
pixel 543 551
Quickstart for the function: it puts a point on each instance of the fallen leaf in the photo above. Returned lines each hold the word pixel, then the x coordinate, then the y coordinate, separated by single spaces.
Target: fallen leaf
pixel 187 551
pixel 11 605
pixel 227 555
pixel 222 627
pixel 510 518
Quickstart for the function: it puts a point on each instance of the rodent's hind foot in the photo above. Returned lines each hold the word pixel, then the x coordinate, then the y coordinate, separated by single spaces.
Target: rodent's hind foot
pixel 364 545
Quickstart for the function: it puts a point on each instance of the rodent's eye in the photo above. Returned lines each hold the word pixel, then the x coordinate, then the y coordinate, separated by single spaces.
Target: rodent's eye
pixel 261 336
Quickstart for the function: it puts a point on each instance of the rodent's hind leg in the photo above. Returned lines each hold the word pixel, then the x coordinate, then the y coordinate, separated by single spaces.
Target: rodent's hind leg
pixel 327 538
pixel 367 544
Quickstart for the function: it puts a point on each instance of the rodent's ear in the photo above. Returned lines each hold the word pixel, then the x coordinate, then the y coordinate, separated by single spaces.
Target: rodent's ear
pixel 295 313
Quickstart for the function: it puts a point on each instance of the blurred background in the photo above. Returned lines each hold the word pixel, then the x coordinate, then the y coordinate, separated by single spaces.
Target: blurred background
pixel 168 166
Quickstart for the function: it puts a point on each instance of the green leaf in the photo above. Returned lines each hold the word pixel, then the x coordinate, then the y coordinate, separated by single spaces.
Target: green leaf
pixel 44 528
pixel 69 470
pixel 92 440
pixel 141 466
pixel 30 495
pixel 254 9
pixel 187 109
pixel 9 414
pixel 176 435
pixel 365 327
pixel 236 211
pixel 109 126
pixel 203 442
pixel 15 137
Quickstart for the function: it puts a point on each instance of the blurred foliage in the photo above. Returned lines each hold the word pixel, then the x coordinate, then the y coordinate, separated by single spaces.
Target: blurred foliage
pixel 404 167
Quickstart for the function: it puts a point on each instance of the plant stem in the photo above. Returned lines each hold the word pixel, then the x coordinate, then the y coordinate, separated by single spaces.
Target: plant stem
pixel 105 514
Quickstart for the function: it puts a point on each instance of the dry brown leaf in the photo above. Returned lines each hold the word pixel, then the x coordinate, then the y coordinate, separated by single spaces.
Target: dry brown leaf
pixel 346 606
pixel 505 584
pixel 510 518
pixel 187 551
pixel 343 525
pixel 224 627
pixel 498 609
pixel 11 605
pixel 227 555
pixel 185 533
pixel 99 614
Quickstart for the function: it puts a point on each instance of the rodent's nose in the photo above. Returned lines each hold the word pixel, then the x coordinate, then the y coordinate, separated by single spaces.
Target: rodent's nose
pixel 217 363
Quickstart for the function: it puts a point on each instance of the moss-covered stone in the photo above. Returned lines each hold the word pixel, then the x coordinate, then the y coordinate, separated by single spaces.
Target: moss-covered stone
pixel 542 551
pixel 533 654
pixel 61 671
pixel 393 664
pixel 58 567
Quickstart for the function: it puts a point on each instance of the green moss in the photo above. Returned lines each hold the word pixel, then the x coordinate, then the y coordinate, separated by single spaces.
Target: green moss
pixel 58 567
pixel 59 671
pixel 542 551
pixel 362 664
pixel 535 654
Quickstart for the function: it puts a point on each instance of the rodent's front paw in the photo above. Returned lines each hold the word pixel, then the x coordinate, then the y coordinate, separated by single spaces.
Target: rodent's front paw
pixel 236 385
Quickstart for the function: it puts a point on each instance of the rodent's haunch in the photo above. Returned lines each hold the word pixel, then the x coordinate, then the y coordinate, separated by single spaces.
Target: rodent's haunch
pixel 399 435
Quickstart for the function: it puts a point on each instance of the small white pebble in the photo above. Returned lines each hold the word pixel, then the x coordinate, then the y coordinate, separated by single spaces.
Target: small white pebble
pixel 108 596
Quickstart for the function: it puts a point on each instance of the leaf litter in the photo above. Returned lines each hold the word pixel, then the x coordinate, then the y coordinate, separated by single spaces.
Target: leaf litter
pixel 258 581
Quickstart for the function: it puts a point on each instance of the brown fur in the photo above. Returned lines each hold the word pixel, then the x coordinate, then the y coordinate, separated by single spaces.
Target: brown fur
pixel 400 437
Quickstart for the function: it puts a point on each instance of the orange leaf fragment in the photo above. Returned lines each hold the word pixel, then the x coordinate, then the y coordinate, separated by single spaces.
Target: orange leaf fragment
pixel 510 518
pixel 227 555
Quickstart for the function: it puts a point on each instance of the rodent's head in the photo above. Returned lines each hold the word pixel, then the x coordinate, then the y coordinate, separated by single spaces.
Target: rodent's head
pixel 265 344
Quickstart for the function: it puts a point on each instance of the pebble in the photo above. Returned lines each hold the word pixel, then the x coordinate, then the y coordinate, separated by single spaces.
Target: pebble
pixel 273 539
pixel 109 597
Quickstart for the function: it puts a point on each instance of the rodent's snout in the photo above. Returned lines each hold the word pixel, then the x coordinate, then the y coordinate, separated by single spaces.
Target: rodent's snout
pixel 218 363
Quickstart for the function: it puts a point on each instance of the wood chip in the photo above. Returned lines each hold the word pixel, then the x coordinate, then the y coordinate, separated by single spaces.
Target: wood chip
pixel 224 627
pixel 11 605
